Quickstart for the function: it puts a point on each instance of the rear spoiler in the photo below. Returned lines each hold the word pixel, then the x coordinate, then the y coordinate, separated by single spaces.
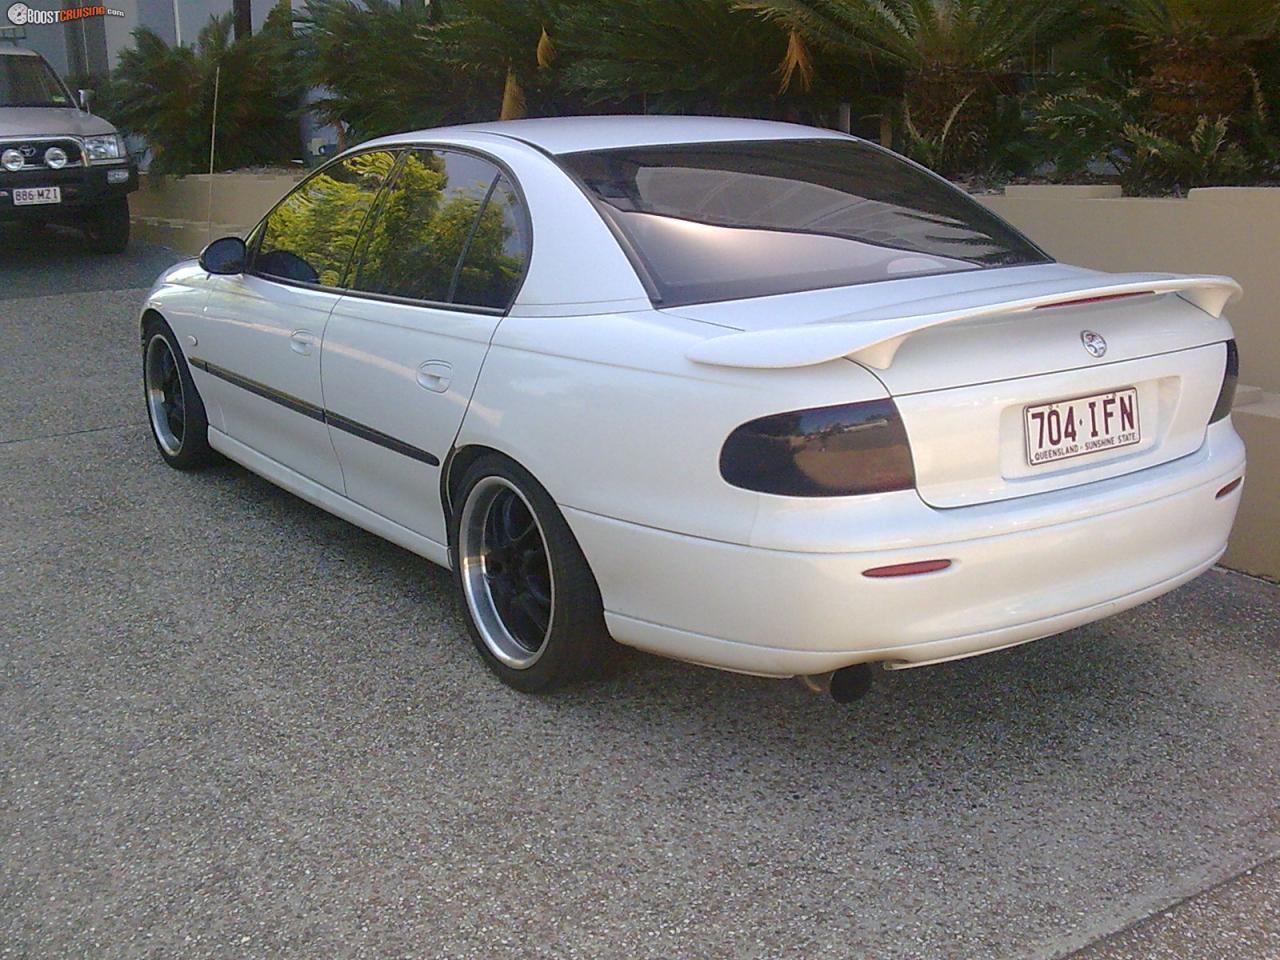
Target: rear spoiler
pixel 873 336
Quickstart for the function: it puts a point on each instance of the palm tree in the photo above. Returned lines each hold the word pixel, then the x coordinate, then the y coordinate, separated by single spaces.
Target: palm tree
pixel 949 56
pixel 570 56
pixel 704 56
pixel 506 44
pixel 1195 55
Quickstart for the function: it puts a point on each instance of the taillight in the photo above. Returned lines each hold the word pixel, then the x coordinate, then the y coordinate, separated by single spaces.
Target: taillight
pixel 1227 395
pixel 822 452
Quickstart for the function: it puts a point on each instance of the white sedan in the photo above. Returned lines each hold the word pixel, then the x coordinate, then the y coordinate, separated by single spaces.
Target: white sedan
pixel 752 395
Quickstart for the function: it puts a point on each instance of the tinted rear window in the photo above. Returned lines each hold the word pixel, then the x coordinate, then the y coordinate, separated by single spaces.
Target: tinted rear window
pixel 721 221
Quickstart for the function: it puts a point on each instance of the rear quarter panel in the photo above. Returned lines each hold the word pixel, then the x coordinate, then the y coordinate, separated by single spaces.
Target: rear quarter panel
pixel 612 419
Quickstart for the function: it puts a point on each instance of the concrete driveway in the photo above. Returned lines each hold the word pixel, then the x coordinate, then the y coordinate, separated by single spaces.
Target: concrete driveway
pixel 234 726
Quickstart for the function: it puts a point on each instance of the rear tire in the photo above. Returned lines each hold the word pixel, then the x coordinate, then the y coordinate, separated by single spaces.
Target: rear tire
pixel 532 605
pixel 107 226
pixel 175 411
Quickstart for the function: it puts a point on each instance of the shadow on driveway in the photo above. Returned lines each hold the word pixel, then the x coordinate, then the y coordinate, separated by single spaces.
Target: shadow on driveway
pixel 30 256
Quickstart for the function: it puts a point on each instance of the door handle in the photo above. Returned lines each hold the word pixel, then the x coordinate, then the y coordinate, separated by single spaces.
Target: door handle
pixel 301 341
pixel 435 375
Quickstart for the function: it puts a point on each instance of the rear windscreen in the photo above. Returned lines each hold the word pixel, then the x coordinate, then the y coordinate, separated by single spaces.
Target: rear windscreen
pixel 721 221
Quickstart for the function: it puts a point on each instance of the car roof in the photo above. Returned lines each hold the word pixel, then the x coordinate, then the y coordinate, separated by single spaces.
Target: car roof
pixel 16 52
pixel 570 134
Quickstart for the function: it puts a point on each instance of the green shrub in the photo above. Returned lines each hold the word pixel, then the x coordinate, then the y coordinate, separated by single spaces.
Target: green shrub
pixel 946 61
pixel 1106 122
pixel 166 94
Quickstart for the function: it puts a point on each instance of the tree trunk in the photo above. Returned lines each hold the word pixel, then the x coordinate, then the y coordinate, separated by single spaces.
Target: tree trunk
pixel 1188 81
pixel 242 18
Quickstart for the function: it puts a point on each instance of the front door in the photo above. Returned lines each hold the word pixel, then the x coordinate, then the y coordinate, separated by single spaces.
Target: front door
pixel 259 339
pixel 440 264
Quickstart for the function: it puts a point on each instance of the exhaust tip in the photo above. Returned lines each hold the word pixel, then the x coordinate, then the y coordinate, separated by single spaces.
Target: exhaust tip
pixel 851 683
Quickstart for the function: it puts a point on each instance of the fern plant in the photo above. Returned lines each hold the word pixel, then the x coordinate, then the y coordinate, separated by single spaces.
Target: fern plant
pixel 1112 123
pixel 1084 123
pixel 1206 158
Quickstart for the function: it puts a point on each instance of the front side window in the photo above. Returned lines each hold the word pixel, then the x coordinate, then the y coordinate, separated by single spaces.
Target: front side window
pixel 30 82
pixel 722 221
pixel 311 235
pixel 441 233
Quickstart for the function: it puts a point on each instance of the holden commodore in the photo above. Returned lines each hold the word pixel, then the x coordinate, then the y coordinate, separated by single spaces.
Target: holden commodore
pixel 752 395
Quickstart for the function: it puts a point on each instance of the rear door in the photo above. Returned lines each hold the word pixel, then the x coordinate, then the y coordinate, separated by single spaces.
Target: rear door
pixel 440 264
pixel 260 336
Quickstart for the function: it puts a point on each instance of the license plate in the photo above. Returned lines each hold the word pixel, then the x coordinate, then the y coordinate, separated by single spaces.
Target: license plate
pixel 1079 427
pixel 29 196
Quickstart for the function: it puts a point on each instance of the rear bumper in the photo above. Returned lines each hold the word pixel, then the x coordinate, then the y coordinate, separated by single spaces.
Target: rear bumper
pixel 81 188
pixel 1023 569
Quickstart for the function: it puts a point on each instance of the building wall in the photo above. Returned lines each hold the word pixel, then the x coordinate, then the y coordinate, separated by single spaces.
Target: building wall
pixel 48 41
pixel 94 45
pixel 191 17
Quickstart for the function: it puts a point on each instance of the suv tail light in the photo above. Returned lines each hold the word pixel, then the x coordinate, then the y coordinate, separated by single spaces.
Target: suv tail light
pixel 1227 395
pixel 839 451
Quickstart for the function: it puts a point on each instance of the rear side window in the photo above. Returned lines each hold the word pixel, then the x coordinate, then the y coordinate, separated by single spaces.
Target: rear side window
pixel 311 235
pixel 445 232
pixel 495 260
pixel 721 221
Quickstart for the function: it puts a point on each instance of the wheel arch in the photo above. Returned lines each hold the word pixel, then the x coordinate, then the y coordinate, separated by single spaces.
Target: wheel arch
pixel 455 467
pixel 150 314
pixel 459 461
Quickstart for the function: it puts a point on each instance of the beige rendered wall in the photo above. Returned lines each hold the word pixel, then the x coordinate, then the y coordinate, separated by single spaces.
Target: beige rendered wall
pixel 175 211
pixel 1255 541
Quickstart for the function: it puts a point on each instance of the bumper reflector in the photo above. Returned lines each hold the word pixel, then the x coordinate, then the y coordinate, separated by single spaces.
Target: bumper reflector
pixel 1228 488
pixel 908 569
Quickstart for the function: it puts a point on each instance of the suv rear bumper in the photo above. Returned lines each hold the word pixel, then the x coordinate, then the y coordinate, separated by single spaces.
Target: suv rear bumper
pixel 81 187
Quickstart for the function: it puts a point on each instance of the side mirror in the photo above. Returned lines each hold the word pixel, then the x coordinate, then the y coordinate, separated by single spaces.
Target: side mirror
pixel 224 256
pixel 86 99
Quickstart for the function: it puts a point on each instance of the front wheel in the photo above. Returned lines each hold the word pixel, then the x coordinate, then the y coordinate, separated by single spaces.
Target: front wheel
pixel 174 408
pixel 532 605
pixel 107 226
